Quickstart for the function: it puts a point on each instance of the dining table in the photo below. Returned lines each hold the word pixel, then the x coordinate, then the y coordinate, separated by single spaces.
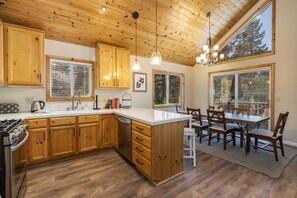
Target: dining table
pixel 243 121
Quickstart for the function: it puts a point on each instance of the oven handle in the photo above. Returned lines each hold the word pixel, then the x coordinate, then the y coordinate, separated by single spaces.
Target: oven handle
pixel 13 148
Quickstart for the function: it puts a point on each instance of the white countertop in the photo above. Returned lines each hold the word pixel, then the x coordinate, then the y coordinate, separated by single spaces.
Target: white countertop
pixel 144 115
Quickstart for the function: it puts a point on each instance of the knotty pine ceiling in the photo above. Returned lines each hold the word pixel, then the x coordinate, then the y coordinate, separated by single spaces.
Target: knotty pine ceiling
pixel 182 24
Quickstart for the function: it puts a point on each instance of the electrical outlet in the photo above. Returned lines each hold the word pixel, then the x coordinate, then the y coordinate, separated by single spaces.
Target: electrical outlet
pixel 29 100
pixel 105 99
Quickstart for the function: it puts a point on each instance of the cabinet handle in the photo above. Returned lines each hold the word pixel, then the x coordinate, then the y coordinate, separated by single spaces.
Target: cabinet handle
pixel 113 82
pixel 139 162
pixel 118 82
pixel 140 129
pixel 40 78
pixel 139 149
pixel 139 139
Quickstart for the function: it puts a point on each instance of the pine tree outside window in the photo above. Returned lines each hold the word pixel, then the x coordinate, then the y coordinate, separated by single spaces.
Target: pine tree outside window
pixel 254 39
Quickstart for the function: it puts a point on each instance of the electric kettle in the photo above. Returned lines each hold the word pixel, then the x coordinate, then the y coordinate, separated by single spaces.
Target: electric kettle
pixel 37 105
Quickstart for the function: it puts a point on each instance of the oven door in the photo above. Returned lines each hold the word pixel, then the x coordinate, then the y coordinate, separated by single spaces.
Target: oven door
pixel 18 165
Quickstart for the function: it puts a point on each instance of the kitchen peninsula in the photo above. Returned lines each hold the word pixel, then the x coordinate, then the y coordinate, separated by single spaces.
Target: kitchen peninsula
pixel 157 137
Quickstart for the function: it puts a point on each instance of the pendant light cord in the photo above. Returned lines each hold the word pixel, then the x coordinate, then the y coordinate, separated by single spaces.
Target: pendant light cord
pixel 156 25
pixel 136 38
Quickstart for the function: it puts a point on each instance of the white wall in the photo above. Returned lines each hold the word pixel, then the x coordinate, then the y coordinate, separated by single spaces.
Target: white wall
pixel 140 99
pixel 285 68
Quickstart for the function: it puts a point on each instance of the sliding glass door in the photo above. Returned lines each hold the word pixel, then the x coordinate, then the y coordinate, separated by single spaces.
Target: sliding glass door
pixel 244 89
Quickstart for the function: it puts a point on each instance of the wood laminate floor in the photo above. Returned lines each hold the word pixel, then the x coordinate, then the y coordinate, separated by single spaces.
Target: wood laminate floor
pixel 106 174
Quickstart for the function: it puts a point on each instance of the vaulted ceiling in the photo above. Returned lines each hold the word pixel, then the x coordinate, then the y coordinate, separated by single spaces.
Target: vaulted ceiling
pixel 182 24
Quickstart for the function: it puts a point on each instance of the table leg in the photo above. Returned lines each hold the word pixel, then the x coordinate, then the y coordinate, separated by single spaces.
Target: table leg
pixel 247 131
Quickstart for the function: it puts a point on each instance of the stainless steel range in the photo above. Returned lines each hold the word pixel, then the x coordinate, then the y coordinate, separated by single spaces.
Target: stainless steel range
pixel 13 160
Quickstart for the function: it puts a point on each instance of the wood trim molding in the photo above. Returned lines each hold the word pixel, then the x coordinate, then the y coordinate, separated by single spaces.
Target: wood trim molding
pixel 48 97
pixel 154 71
pixel 272 85
pixel 242 25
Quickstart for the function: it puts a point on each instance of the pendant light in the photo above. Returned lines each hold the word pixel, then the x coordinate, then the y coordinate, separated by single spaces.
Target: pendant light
pixel 136 65
pixel 156 58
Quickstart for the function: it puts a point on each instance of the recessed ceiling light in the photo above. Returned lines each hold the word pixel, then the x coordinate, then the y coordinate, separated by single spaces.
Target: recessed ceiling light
pixel 103 8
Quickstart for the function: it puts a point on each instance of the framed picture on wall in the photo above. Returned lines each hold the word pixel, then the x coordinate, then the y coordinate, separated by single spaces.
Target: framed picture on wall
pixel 139 82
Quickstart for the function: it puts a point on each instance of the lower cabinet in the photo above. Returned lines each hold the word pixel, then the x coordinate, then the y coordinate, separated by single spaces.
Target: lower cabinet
pixel 108 131
pixel 38 144
pixel 62 141
pixel 88 137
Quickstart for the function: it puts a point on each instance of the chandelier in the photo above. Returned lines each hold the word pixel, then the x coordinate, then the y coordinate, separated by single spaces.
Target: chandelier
pixel 210 55
pixel 156 58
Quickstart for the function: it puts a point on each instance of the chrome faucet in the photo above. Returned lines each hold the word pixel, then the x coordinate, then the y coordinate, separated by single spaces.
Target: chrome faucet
pixel 78 103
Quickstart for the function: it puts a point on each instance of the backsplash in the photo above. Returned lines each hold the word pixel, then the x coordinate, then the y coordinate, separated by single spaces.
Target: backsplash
pixel 18 95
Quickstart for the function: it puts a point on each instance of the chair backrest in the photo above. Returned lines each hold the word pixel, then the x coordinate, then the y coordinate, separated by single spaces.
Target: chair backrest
pixel 281 123
pixel 196 114
pixel 216 117
pixel 211 107
pixel 244 111
pixel 180 109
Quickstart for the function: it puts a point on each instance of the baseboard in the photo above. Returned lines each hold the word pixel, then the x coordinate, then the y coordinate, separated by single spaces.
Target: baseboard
pixel 290 143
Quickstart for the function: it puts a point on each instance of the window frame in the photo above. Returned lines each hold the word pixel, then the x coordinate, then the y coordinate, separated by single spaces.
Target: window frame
pixel 182 86
pixel 271 66
pixel 48 78
pixel 242 25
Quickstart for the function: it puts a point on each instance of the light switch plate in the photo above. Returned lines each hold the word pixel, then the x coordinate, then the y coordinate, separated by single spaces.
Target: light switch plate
pixel 29 100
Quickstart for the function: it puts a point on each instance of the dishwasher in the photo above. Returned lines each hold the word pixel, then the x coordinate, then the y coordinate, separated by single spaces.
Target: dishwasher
pixel 125 137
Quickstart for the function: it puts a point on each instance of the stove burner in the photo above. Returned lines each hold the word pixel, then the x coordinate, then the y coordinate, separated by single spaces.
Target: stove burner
pixel 7 125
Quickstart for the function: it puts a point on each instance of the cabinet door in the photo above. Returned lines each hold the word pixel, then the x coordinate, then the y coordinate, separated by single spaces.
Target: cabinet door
pixel 123 69
pixel 1 55
pixel 62 140
pixel 24 56
pixel 108 131
pixel 106 66
pixel 88 135
pixel 38 144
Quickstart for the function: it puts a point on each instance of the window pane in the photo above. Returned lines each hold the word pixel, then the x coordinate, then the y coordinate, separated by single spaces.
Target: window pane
pixel 253 91
pixel 81 80
pixel 160 89
pixel 60 79
pixel 255 38
pixel 174 89
pixel 224 92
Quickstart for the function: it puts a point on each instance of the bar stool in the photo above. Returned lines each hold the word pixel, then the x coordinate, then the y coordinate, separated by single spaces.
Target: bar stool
pixel 190 133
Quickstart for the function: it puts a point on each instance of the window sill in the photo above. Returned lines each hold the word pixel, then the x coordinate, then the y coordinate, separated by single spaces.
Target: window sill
pixel 69 99
pixel 166 105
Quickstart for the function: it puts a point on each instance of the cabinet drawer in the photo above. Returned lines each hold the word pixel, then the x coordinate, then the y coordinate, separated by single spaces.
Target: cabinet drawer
pixel 37 123
pixel 141 139
pixel 62 121
pixel 142 128
pixel 141 163
pixel 88 118
pixel 145 152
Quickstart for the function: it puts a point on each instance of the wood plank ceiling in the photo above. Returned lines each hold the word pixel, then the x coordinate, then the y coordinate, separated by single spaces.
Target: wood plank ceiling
pixel 182 24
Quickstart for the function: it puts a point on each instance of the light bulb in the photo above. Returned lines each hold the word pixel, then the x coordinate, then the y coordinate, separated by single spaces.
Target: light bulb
pixel 205 48
pixel 222 56
pixel 198 59
pixel 156 58
pixel 216 47
pixel 203 56
pixel 136 66
pixel 215 54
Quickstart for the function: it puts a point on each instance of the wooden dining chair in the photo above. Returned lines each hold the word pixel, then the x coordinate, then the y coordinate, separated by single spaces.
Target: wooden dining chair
pixel 197 122
pixel 271 136
pixel 217 124
pixel 239 127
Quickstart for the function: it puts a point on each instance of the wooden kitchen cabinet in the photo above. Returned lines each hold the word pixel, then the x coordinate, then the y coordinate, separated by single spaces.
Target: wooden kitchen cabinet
pixel 123 68
pixel 1 54
pixel 106 66
pixel 24 52
pixel 108 131
pixel 38 144
pixel 62 141
pixel 113 67
pixel 88 137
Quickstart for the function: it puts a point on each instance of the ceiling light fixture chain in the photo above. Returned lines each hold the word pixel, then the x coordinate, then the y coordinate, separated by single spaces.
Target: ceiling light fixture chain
pixel 136 65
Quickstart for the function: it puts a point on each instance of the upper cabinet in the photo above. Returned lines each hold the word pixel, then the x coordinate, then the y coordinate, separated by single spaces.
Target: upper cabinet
pixel 123 68
pixel 24 52
pixel 1 55
pixel 113 67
